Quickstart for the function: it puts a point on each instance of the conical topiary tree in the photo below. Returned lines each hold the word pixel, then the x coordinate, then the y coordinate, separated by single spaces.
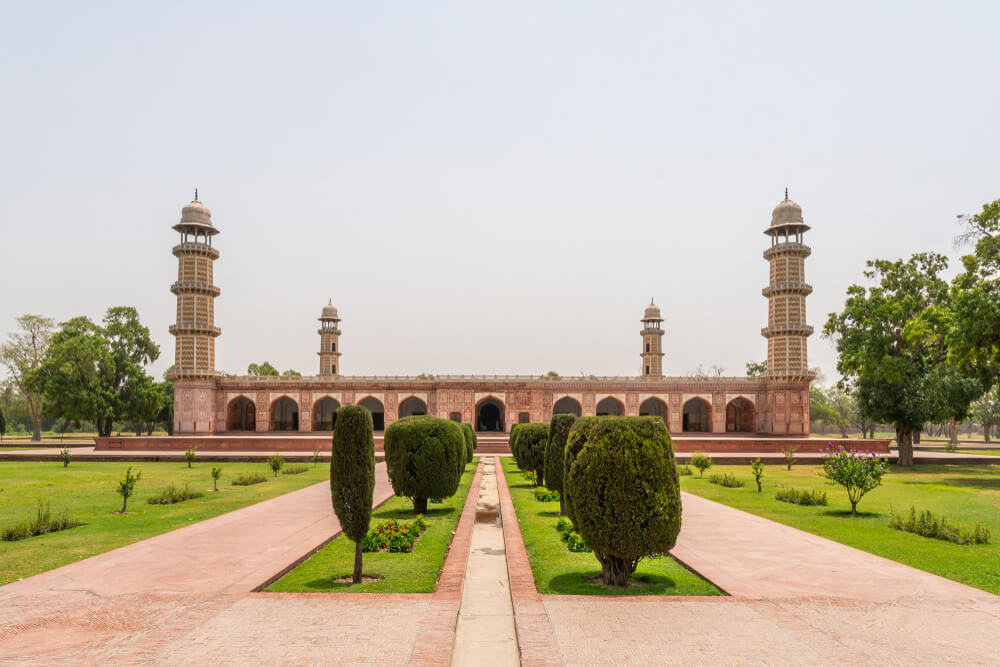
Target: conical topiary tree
pixel 531 441
pixel 575 441
pixel 352 475
pixel 512 442
pixel 558 433
pixel 425 457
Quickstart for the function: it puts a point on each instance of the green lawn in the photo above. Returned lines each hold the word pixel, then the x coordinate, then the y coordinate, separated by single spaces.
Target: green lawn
pixel 415 572
pixel 558 570
pixel 966 495
pixel 87 490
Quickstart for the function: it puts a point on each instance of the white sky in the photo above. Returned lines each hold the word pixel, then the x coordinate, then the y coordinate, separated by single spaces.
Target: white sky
pixel 483 187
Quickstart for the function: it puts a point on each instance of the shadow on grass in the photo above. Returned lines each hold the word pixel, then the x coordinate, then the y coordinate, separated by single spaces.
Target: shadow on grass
pixel 588 582
pixel 846 514
pixel 407 513
pixel 328 584
pixel 553 513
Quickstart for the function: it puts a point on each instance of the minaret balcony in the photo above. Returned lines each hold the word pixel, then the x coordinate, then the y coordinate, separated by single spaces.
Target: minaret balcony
pixel 786 330
pixel 194 287
pixel 657 332
pixel 194 328
pixel 787 287
pixel 790 248
pixel 191 248
pixel 335 332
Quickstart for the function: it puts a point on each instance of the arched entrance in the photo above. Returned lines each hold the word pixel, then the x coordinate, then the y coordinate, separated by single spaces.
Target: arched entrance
pixel 740 417
pixel 489 415
pixel 610 406
pixel 653 407
pixel 567 405
pixel 412 407
pixel 325 414
pixel 374 406
pixel 285 415
pixel 241 415
pixel 697 416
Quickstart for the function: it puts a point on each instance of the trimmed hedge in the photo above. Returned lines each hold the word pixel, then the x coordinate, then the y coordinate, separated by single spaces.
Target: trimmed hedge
pixel 575 441
pixel 475 438
pixel 558 434
pixel 624 493
pixel 512 441
pixel 531 442
pixel 352 475
pixel 470 442
pixel 425 457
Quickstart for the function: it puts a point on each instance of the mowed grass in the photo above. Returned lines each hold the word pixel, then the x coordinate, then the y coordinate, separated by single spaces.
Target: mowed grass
pixel 415 572
pixel 965 495
pixel 87 490
pixel 558 570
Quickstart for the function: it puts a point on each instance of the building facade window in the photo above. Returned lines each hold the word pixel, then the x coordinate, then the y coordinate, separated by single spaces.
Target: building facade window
pixel 523 418
pixel 455 417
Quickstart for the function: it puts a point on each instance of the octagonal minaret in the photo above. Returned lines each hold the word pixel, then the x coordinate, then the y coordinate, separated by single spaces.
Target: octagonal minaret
pixel 195 330
pixel 652 342
pixel 329 341
pixel 786 329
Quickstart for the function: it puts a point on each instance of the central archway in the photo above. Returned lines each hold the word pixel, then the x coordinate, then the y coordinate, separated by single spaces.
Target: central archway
pixel 609 406
pixel 489 415
pixel 325 414
pixel 374 406
pixel 285 415
pixel 567 405
pixel 241 415
pixel 697 416
pixel 412 407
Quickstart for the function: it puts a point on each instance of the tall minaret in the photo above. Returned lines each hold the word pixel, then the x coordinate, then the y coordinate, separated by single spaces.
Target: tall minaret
pixel 652 342
pixel 195 330
pixel 329 340
pixel 786 329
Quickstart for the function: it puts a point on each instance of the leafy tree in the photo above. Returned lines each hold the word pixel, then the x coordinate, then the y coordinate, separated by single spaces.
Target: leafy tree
pixel 756 369
pixel 986 411
pixel 857 472
pixel 276 463
pixel 352 476
pixel 262 369
pixel 291 373
pixel 165 418
pixel 3 426
pixel 532 440
pixel 702 462
pixel 424 458
pixel 891 345
pixel 821 411
pixel 22 354
pixel 216 474
pixel 126 487
pixel 757 468
pixel 559 429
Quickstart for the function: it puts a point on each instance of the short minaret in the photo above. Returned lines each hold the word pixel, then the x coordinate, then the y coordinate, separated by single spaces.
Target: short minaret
pixel 195 330
pixel 786 329
pixel 652 342
pixel 329 341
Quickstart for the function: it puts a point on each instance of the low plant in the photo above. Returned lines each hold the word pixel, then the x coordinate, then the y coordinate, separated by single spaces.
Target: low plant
pixel 801 496
pixel 531 477
pixel 702 462
pixel 316 457
pixel 172 495
pixel 926 524
pixel 296 469
pixel 857 472
pixel 394 536
pixel 65 456
pixel 545 495
pixel 276 463
pixel 126 487
pixel 684 470
pixel 190 454
pixel 789 456
pixel 216 474
pixel 569 535
pixel 43 522
pixel 248 478
pixel 757 468
pixel 729 480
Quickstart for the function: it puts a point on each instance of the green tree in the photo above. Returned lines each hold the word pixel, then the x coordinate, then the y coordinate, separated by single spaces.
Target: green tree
pixel 424 458
pixel 575 440
pixel 352 475
pixel 3 426
pixel 22 354
pixel 986 411
pixel 532 440
pixel 165 418
pixel 262 369
pixel 291 373
pixel 891 345
pixel 756 369
pixel 559 429
pixel 470 442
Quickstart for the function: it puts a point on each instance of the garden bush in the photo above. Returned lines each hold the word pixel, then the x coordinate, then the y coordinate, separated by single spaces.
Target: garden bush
pixel 559 429
pixel 575 441
pixel 728 480
pixel 471 431
pixel 425 457
pixel 569 535
pixel 801 496
pixel 757 468
pixel 352 475
pixel 857 472
pixel 928 525
pixel 531 442
pixel 545 495
pixel 276 463
pixel 172 495
pixel 512 441
pixel 248 478
pixel 789 456
pixel 295 469
pixel 216 474
pixel 42 523
pixel 393 536
pixel 684 470
pixel 190 454
pixel 126 487
pixel 624 495
pixel 702 462
pixel 470 442
pixel 65 456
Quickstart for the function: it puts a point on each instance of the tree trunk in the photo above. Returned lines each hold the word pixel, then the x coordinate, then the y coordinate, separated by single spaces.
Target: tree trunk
pixel 916 437
pixel 562 504
pixel 904 442
pixel 758 486
pixel 36 429
pixel 124 503
pixel 420 505
pixel 854 508
pixel 357 562
pixel 986 432
pixel 614 571
pixel 953 433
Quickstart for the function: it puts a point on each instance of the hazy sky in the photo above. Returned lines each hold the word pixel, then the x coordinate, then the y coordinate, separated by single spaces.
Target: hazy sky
pixel 483 187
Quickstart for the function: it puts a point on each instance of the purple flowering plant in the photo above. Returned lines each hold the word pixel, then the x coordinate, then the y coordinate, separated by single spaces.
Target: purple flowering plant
pixel 857 472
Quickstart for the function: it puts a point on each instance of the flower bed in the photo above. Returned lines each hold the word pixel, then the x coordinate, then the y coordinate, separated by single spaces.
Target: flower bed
pixel 569 535
pixel 394 536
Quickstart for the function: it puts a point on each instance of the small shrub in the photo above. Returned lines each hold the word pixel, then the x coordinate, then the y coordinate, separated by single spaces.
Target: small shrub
pixel 316 457
pixel 126 487
pixel 569 535
pixel 190 454
pixel 684 470
pixel 928 525
pixel 531 477
pixel 393 536
pixel 65 456
pixel 42 523
pixel 563 524
pixel 702 462
pixel 276 463
pixel 296 469
pixel 216 474
pixel 789 456
pixel 172 495
pixel 248 478
pixel 729 480
pixel 545 495
pixel 757 468
pixel 857 472
pixel 801 496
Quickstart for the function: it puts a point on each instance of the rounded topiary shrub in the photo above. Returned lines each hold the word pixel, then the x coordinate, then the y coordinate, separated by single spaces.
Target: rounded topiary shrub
pixel 531 441
pixel 424 458
pixel 470 442
pixel 352 475
pixel 512 441
pixel 558 433
pixel 575 441
pixel 625 495
pixel 472 432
